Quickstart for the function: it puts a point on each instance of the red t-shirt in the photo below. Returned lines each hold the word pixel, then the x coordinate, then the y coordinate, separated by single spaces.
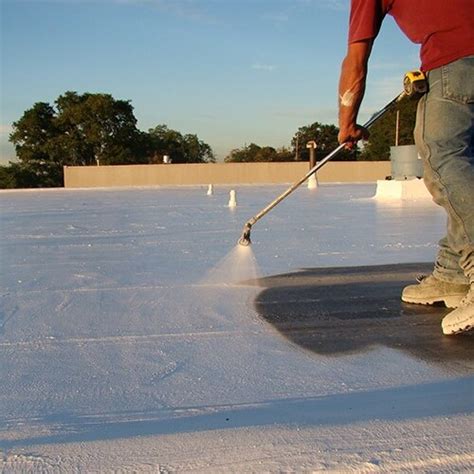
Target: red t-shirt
pixel 444 28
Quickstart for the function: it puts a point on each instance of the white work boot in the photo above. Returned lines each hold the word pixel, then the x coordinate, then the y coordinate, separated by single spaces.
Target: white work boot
pixel 462 318
pixel 430 290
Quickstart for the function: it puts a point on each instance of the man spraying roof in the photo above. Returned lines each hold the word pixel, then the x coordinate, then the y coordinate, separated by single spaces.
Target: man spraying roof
pixel 444 132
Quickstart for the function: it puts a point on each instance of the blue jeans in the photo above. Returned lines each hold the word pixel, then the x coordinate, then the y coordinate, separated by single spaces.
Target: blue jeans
pixel 444 135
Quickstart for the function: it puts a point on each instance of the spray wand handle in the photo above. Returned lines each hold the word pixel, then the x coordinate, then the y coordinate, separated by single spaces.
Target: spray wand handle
pixel 245 238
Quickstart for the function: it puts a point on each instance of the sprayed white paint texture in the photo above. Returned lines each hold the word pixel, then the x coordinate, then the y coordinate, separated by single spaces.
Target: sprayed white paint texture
pixel 347 99
pixel 312 181
pixel 125 344
pixel 412 189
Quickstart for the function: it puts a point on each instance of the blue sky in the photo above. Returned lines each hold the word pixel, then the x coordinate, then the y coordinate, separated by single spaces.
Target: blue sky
pixel 233 72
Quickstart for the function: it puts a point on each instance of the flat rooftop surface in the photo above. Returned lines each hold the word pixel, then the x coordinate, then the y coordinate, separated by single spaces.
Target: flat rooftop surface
pixel 136 335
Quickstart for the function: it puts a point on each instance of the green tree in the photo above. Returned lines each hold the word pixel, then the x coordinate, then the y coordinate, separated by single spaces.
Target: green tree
pixel 7 177
pixel 285 154
pixel 256 153
pixel 246 154
pixel 181 148
pixel 33 136
pixel 196 151
pixel 325 137
pixel 16 175
pixel 382 133
pixel 97 128
pixel 81 130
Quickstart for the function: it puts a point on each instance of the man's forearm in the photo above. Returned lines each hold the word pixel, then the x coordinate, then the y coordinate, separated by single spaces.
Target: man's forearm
pixel 352 88
pixel 351 93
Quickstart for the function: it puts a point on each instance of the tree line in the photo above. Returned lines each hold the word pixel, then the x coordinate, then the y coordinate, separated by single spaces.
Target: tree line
pixel 89 129
pixel 377 148
pixel 96 129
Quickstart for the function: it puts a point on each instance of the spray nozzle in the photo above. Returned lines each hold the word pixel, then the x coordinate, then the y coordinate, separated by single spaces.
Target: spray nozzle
pixel 245 237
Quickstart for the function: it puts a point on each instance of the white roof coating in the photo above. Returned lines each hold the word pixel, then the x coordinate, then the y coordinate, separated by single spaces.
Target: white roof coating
pixel 131 337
